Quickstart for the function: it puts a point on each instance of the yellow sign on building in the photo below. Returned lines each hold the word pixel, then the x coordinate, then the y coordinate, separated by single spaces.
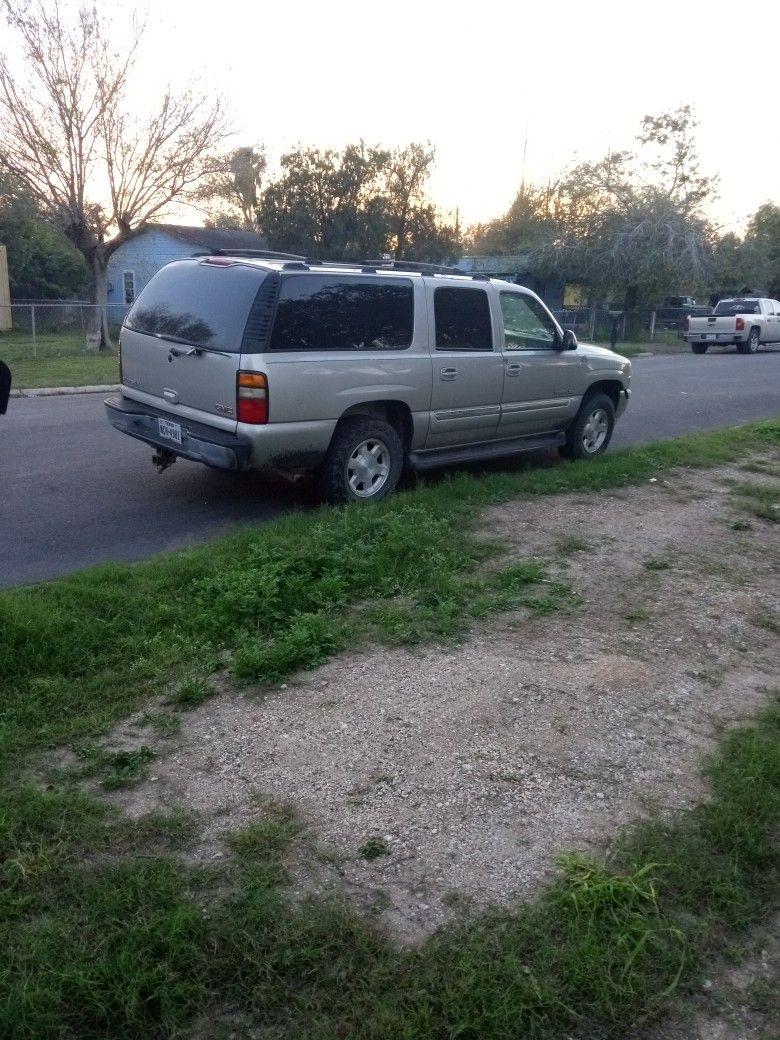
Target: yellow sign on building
pixel 572 296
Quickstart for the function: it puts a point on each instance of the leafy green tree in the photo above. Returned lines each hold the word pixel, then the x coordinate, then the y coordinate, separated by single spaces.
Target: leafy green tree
pixel 232 187
pixel 669 145
pixel 42 264
pixel 628 224
pixel 323 203
pixel 763 239
pixel 358 203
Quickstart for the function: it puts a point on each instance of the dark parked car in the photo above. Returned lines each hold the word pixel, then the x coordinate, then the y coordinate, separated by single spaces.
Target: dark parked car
pixel 5 386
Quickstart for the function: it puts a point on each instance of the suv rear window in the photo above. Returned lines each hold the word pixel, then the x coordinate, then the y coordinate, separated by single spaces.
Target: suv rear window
pixel 327 312
pixel 196 303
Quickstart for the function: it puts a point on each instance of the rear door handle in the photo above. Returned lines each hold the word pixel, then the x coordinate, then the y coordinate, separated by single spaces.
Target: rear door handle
pixel 449 373
pixel 514 369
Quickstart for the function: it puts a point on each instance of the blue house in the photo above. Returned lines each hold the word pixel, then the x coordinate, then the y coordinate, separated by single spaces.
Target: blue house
pixel 134 263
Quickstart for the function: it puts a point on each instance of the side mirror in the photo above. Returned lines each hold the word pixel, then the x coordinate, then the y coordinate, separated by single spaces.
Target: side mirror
pixel 5 386
pixel 569 340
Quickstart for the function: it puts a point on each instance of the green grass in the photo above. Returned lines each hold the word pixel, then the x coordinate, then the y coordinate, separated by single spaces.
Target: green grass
pixel 61 360
pixel 106 932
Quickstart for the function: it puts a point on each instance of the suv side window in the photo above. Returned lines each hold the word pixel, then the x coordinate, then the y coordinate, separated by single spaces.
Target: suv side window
pixel 527 325
pixel 331 312
pixel 462 319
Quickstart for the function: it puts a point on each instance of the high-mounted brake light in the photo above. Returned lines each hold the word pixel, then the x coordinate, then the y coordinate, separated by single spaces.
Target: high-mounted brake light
pixel 740 326
pixel 252 398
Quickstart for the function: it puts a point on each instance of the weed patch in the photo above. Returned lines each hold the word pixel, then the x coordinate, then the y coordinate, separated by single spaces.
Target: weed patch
pixel 115 768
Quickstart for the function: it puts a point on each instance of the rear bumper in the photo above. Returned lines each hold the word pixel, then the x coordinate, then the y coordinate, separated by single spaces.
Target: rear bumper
pixel 622 403
pixel 726 338
pixel 199 443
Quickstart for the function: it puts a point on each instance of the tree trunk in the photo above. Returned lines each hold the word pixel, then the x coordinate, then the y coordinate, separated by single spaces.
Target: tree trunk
pixel 98 337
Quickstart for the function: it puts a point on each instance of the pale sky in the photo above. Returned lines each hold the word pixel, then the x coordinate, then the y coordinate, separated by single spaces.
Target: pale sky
pixel 472 77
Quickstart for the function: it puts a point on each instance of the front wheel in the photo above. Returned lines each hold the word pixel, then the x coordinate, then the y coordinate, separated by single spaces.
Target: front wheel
pixel 364 461
pixel 699 348
pixel 591 431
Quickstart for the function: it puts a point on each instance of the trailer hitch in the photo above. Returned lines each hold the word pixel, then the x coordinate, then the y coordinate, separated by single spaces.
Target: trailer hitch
pixel 162 459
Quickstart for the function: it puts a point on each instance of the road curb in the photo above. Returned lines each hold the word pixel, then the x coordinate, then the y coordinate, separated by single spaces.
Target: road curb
pixel 61 391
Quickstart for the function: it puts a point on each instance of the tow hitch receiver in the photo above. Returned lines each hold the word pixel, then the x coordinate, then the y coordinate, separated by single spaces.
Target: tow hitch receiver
pixel 162 459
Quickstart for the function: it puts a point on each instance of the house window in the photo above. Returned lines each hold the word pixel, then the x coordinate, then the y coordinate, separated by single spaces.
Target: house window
pixel 129 283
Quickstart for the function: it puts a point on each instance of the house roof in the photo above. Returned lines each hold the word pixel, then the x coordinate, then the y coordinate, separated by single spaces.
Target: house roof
pixel 213 238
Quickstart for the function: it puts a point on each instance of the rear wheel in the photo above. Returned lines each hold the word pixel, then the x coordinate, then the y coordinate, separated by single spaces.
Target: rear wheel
pixel 751 345
pixel 699 348
pixel 591 431
pixel 364 461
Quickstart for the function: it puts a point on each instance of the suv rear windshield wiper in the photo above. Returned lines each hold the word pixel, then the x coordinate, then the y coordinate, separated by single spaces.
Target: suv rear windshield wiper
pixel 195 348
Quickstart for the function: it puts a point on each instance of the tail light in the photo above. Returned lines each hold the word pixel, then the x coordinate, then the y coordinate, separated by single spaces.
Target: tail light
pixel 740 325
pixel 686 324
pixel 252 398
pixel 121 380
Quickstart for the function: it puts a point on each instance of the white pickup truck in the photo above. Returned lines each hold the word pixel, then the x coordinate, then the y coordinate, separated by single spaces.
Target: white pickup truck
pixel 746 322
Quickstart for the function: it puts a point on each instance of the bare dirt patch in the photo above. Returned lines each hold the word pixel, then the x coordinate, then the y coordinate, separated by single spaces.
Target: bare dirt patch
pixel 476 766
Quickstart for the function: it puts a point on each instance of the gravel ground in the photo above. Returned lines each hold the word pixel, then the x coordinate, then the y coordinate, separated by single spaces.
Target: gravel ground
pixel 476 766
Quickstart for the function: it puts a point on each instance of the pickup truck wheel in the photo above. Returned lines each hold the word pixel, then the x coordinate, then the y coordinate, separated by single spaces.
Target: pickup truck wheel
pixel 591 431
pixel 699 348
pixel 751 346
pixel 364 461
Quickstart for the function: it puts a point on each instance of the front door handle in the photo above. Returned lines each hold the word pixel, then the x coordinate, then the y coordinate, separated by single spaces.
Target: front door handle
pixel 449 373
pixel 514 369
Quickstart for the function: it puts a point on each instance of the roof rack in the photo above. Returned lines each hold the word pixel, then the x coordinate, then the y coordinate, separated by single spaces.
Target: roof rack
pixel 413 265
pixel 374 266
pixel 258 254
pixel 302 263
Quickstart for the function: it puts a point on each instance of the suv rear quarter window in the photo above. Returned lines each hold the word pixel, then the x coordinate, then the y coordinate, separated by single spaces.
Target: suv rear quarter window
pixel 462 319
pixel 332 312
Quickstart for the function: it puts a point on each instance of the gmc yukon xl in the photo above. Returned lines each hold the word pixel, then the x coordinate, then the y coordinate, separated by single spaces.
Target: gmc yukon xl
pixel 354 371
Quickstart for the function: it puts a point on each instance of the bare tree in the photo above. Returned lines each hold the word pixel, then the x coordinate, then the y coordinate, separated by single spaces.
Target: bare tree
pixel 68 136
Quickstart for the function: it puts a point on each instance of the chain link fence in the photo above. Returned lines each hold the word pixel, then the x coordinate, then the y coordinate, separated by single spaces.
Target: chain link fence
pixel 596 324
pixel 46 329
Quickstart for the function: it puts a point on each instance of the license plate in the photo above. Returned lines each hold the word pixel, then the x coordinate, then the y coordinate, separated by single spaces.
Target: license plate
pixel 171 431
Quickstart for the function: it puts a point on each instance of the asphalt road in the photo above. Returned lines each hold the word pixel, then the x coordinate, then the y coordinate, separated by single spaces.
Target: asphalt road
pixel 74 492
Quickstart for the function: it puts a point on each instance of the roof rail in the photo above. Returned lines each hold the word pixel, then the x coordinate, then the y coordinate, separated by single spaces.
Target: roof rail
pixel 297 262
pixel 413 265
pixel 258 254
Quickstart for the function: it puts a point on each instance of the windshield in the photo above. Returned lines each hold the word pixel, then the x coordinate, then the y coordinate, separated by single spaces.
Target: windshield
pixel 732 307
pixel 197 304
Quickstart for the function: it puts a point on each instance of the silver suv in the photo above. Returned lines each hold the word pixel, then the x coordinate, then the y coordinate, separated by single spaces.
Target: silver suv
pixel 354 371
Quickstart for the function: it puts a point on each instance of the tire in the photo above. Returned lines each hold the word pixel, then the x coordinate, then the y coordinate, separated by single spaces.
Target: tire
pixel 750 346
pixel 363 463
pixel 699 348
pixel 591 431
